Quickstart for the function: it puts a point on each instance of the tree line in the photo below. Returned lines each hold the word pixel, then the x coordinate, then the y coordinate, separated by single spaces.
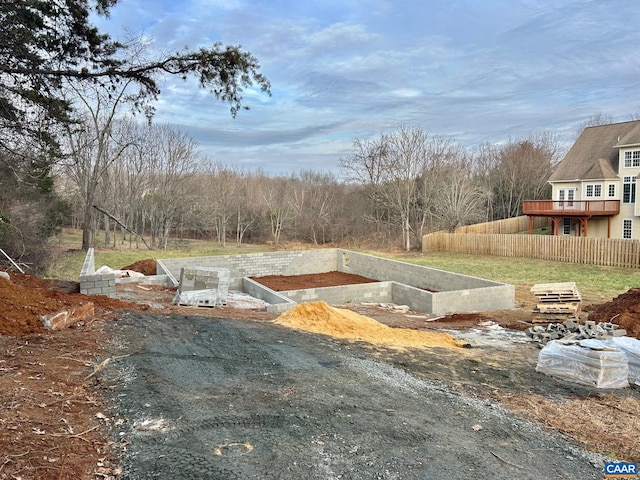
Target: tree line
pixel 148 183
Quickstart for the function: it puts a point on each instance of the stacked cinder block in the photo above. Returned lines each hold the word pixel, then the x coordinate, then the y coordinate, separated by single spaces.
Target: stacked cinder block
pixel 96 284
pixel 203 287
pixel 570 330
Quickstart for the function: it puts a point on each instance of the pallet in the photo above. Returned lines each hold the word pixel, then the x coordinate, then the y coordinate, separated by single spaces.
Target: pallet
pixel 554 287
pixel 556 292
pixel 557 302
pixel 553 318
pixel 563 307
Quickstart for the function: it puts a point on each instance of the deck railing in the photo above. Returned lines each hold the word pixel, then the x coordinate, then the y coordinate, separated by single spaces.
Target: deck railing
pixel 568 208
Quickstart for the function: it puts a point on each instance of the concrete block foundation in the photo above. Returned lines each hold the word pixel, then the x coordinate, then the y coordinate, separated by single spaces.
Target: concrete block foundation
pixel 421 288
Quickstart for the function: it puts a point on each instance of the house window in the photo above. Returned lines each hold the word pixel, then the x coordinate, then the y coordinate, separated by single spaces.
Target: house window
pixel 565 197
pixel 612 190
pixel 566 226
pixel 594 190
pixel 629 190
pixel 632 159
pixel 626 228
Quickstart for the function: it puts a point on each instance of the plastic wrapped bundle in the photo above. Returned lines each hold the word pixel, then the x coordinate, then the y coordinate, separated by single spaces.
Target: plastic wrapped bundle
pixel 589 362
pixel 631 348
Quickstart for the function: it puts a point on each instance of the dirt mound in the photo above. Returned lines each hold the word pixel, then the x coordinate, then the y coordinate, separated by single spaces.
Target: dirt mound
pixel 146 267
pixel 319 317
pixel 25 298
pixel 624 310
pixel 22 307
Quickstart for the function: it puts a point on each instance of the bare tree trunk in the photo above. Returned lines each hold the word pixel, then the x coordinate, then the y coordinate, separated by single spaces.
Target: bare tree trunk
pixel 107 231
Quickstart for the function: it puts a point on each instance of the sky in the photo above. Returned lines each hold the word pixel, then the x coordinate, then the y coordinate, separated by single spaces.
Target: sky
pixel 471 71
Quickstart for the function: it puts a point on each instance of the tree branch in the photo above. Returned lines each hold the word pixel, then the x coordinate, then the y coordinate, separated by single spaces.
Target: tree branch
pixel 122 225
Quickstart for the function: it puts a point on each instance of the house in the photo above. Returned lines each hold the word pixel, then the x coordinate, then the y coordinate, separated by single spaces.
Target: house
pixel 594 186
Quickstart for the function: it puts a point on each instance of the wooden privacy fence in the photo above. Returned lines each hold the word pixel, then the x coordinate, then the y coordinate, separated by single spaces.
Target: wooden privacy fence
pixel 508 225
pixel 610 252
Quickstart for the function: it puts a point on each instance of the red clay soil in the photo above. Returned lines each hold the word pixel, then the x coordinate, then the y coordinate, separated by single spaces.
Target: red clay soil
pixel 624 310
pixel 25 298
pixel 146 267
pixel 284 283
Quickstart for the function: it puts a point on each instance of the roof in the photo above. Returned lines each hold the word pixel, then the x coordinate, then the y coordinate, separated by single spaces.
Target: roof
pixel 594 155
pixel 600 170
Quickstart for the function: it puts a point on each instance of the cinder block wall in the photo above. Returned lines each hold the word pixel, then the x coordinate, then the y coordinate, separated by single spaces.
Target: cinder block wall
pixel 421 288
pixel 384 269
pixel 415 298
pixel 92 284
pixel 277 301
pixel 365 292
pixel 261 264
pixel 500 297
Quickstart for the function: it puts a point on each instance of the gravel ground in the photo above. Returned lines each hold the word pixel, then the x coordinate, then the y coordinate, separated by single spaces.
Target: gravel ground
pixel 206 398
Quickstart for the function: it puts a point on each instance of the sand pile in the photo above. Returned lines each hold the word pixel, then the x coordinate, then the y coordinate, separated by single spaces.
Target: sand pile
pixel 318 317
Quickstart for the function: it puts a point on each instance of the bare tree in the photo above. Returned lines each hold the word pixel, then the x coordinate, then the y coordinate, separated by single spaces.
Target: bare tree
pixel 406 153
pixel 460 201
pixel 312 202
pixel 484 160
pixel 366 166
pixel 247 210
pixel 133 178
pixel 442 157
pixel 173 162
pixel 276 197
pixel 221 189
pixel 95 145
pixel 521 173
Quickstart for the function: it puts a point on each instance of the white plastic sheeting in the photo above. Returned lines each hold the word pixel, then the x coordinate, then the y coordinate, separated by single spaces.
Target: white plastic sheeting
pixel 589 362
pixel 104 270
pixel 631 348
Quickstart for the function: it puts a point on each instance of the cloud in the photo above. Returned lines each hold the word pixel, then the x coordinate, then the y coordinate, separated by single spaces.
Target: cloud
pixel 344 69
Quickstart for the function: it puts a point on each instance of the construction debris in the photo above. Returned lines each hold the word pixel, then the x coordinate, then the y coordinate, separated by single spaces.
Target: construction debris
pixel 572 330
pixel 556 302
pixel 391 307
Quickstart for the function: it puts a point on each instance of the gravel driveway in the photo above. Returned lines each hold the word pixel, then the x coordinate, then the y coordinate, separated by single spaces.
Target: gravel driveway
pixel 206 398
